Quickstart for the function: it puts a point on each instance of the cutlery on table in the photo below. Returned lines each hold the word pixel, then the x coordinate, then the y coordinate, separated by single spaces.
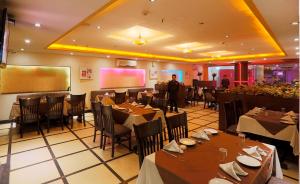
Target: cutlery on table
pixel 169 153
pixel 226 178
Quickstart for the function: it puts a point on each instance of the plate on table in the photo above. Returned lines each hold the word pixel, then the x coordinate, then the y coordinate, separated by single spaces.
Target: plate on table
pixel 187 141
pixel 211 130
pixel 121 108
pixel 248 161
pixel 219 181
pixel 156 109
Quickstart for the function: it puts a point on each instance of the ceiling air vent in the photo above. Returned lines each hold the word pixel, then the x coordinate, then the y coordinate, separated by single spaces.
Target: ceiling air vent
pixel 126 63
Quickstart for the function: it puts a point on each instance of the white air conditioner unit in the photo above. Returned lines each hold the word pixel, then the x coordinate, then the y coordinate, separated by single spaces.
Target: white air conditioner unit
pixel 126 63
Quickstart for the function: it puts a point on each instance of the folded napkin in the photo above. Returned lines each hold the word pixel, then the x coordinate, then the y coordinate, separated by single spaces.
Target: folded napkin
pixel 233 169
pixel 106 94
pixel 256 109
pixel 130 110
pixel 107 101
pixel 116 106
pixel 255 152
pixel 251 113
pixel 287 118
pixel 134 103
pixel 291 113
pixel 148 107
pixel 201 135
pixel 173 146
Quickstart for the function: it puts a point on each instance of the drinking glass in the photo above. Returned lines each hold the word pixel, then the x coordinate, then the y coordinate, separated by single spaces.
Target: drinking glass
pixel 243 139
pixel 223 154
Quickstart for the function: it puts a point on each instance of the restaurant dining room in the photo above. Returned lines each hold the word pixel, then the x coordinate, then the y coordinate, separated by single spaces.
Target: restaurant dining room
pixel 149 91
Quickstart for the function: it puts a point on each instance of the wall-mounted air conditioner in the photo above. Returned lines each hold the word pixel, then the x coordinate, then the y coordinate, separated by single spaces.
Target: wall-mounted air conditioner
pixel 126 63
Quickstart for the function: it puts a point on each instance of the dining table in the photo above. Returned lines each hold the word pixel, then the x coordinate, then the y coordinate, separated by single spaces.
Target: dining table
pixel 201 163
pixel 269 124
pixel 129 114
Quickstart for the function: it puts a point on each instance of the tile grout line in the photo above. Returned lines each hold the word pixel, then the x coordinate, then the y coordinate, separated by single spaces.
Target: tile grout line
pixel 108 167
pixel 55 161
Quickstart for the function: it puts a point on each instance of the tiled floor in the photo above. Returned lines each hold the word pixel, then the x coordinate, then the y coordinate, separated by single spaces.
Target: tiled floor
pixel 71 156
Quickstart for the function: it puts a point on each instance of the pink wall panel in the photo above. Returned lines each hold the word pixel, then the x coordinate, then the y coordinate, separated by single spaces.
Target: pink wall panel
pixel 121 77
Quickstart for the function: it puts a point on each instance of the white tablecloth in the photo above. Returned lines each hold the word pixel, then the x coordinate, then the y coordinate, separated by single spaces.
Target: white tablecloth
pixel 290 133
pixel 149 173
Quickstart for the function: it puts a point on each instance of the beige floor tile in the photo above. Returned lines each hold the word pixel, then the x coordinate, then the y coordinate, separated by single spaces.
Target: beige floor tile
pixel 3 160
pixel 214 115
pixel 71 163
pixel 133 181
pixel 35 174
pixel 209 118
pixel 199 121
pixel 85 132
pixel 192 126
pixel 26 135
pixel 106 154
pixel 202 113
pixel 27 145
pixel 57 182
pixel 292 171
pixel 4 139
pixel 67 148
pixel 78 125
pixel 193 115
pixel 290 181
pixel 99 174
pixel 89 141
pixel 126 167
pixel 4 132
pixel 63 137
pixel 56 130
pixel 213 125
pixel 5 126
pixel 29 157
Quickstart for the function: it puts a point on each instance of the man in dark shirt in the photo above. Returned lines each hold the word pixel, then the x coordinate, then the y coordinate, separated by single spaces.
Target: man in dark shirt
pixel 173 88
pixel 225 82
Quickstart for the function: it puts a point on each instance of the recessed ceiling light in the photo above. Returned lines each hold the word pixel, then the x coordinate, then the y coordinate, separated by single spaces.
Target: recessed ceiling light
pixel 242 44
pixel 98 27
pixel 71 53
pixel 108 56
pixel 296 39
pixel 227 36
pixel 297 53
pixel 22 49
pixel 151 0
pixel 297 48
pixel 37 24
pixel 295 23
pixel 73 40
pixel 265 58
pixel 27 41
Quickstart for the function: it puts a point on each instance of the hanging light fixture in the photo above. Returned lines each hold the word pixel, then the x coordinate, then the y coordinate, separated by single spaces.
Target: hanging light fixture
pixel 140 40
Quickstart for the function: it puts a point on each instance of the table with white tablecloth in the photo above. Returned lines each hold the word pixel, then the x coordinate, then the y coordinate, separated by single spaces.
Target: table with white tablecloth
pixel 150 172
pixel 251 125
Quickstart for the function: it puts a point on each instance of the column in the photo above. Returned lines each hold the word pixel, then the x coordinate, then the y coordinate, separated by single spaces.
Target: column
pixel 241 73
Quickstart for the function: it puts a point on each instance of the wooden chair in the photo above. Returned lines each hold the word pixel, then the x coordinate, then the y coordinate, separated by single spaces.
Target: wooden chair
pixel 29 110
pixel 161 104
pixel 77 107
pixel 149 138
pixel 177 127
pixel 113 130
pixel 209 99
pixel 120 97
pixel 98 121
pixel 132 94
pixel 189 98
pixel 146 99
pixel 161 94
pixel 55 108
pixel 230 117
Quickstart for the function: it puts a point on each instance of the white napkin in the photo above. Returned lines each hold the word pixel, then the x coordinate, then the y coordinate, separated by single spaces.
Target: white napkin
pixel 130 110
pixel 148 107
pixel 134 103
pixel 201 135
pixel 291 113
pixel 173 146
pixel 116 106
pixel 287 119
pixel 255 152
pixel 233 169
pixel 106 94
pixel 256 109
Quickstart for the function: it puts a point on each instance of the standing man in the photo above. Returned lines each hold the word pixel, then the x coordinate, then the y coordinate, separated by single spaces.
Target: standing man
pixel 173 88
pixel 225 82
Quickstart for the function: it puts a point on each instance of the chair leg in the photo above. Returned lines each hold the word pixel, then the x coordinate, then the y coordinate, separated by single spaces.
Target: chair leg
pixel 83 117
pixel 21 130
pixel 62 123
pixel 48 125
pixel 72 121
pixel 165 134
pixel 101 139
pixel 113 147
pixel 104 142
pixel 95 134
pixel 129 141
pixel 38 128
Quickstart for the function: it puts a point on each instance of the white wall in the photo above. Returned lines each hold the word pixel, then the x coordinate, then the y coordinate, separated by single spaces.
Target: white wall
pixel 75 62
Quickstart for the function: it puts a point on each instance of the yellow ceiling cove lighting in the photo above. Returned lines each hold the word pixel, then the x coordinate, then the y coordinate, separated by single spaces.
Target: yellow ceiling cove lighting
pixel 188 47
pixel 75 48
pixel 139 35
pixel 218 53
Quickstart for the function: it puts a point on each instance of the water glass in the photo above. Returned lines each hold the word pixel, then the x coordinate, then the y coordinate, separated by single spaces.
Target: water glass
pixel 243 139
pixel 223 154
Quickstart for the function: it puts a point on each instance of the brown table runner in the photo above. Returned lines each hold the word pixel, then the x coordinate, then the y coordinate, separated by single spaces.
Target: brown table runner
pixel 200 163
pixel 270 120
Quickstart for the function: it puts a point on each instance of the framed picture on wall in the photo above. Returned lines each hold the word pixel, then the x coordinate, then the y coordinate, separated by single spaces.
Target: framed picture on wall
pixel 153 73
pixel 86 73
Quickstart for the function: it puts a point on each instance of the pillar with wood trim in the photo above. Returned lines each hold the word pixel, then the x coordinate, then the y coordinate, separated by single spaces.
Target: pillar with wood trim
pixel 241 73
